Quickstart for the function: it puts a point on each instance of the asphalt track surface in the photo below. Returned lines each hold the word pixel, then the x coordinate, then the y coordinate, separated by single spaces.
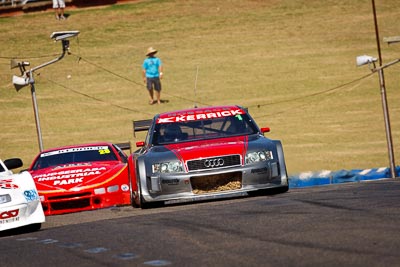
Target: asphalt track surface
pixel 354 224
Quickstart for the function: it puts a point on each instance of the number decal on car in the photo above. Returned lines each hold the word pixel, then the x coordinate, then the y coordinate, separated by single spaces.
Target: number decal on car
pixel 104 151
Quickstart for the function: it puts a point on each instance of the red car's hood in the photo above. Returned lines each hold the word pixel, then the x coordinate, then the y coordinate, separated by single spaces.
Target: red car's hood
pixel 210 148
pixel 74 176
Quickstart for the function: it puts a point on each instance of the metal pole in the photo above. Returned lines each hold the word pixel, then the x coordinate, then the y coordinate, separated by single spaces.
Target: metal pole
pixel 384 98
pixel 65 45
pixel 36 111
pixel 378 45
pixel 387 124
pixel 65 48
pixel 195 86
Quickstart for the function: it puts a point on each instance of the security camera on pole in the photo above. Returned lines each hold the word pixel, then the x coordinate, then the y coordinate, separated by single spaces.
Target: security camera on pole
pixel 27 75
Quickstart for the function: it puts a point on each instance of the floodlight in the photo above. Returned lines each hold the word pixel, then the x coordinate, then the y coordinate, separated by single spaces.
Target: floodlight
pixel 362 60
pixel 391 40
pixel 15 64
pixel 27 76
pixel 63 35
pixel 20 82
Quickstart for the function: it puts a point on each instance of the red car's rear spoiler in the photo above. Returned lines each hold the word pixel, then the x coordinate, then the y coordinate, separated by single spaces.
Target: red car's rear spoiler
pixel 124 146
pixel 141 125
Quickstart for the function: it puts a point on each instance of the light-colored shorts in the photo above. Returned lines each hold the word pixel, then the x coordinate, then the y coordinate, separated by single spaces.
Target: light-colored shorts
pixel 58 4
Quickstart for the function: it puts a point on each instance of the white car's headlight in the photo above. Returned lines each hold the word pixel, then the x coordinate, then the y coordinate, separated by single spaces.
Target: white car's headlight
pixel 5 198
pixel 258 156
pixel 167 167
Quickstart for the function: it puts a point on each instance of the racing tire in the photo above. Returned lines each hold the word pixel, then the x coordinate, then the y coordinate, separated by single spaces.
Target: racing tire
pixel 133 194
pixel 134 200
pixel 143 204
pixel 150 205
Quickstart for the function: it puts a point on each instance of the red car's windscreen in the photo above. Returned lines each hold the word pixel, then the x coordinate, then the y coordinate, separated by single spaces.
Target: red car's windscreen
pixel 172 132
pixel 74 155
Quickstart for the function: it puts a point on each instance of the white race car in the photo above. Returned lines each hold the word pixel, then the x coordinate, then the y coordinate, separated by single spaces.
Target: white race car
pixel 20 205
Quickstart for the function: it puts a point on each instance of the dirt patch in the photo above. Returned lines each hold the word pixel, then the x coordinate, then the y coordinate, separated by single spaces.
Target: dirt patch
pixel 216 183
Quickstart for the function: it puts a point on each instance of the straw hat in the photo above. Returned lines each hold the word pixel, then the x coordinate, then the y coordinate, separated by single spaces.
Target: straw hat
pixel 151 50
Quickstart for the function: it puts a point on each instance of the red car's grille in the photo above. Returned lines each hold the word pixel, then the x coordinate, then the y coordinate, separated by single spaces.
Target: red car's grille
pixel 71 204
pixel 70 196
pixel 213 163
pixel 71 201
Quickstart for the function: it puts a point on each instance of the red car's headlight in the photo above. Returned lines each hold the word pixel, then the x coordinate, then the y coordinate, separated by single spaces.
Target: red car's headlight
pixel 258 156
pixel 167 167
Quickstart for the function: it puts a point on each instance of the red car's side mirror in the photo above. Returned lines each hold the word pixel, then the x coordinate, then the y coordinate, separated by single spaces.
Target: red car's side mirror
pixel 140 143
pixel 265 130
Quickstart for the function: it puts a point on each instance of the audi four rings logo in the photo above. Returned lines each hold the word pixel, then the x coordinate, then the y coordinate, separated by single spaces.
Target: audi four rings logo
pixel 211 163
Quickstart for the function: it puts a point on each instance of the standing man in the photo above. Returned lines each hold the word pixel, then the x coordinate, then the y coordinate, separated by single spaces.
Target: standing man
pixel 58 6
pixel 152 74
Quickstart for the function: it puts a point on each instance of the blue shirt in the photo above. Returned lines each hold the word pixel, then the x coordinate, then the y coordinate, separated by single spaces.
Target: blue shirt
pixel 151 65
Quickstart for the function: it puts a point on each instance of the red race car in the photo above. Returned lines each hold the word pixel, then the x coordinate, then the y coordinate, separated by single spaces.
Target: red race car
pixel 204 153
pixel 82 177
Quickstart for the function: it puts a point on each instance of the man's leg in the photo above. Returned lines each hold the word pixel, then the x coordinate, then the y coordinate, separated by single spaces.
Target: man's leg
pixel 151 96
pixel 157 88
pixel 158 97
pixel 57 13
pixel 62 13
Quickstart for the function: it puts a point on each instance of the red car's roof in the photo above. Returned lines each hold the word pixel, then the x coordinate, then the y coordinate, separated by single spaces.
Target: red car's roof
pixel 200 113
pixel 75 146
